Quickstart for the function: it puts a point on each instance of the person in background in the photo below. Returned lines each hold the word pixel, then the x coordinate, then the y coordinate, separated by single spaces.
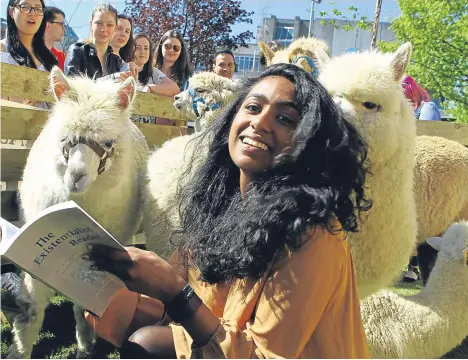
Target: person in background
pixel 122 42
pixel 54 32
pixel 150 79
pixel 24 43
pixel 424 107
pixel 263 267
pixel 95 58
pixel 224 63
pixel 171 57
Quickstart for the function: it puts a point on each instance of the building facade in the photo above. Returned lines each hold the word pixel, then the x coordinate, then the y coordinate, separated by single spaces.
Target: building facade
pixel 287 30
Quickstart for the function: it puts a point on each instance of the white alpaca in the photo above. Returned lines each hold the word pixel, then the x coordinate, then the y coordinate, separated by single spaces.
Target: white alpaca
pixel 429 324
pixel 205 97
pixel 89 152
pixel 440 184
pixel 367 88
pixel 168 163
pixel 300 52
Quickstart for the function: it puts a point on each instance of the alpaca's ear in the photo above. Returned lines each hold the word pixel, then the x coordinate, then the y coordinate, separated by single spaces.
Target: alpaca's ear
pixel 435 242
pixel 322 57
pixel 267 52
pixel 401 60
pixel 58 83
pixel 126 93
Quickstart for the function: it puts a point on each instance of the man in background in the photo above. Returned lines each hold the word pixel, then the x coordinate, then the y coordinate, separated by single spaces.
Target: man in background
pixel 224 63
pixel 54 31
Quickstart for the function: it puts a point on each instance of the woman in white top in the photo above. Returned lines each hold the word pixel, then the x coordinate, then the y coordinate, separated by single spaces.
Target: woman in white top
pixel 150 79
pixel 24 43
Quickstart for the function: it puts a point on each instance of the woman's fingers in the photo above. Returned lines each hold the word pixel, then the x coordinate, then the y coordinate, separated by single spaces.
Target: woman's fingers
pixel 119 269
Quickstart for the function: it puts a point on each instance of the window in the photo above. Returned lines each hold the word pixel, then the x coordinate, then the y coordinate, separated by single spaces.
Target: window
pixel 247 63
pixel 285 34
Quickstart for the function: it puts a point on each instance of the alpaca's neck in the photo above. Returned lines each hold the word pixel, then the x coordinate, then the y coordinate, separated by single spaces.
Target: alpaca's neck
pixel 446 289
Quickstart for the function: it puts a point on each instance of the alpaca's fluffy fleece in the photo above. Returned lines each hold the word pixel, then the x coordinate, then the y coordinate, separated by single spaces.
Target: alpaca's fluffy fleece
pixel 440 184
pixel 429 324
pixel 213 89
pixel 169 163
pixel 98 111
pixel 367 88
pixel 300 47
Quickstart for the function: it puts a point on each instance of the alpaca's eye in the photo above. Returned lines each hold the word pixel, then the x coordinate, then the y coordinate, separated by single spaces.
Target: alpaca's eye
pixel 370 105
pixel 200 90
pixel 108 144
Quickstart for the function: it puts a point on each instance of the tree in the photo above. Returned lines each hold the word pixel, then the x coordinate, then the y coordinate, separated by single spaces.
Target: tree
pixel 204 24
pixel 438 30
pixel 353 15
pixel 375 27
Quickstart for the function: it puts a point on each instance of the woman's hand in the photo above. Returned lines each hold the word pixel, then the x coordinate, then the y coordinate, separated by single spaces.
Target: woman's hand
pixel 143 272
pixel 124 75
pixel 133 70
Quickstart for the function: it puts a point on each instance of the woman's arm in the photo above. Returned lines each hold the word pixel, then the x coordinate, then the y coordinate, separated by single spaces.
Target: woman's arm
pixel 167 87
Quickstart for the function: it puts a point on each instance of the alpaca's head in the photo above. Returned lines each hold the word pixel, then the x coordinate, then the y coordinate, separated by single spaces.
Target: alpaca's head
pixel 300 52
pixel 454 242
pixel 367 87
pixel 207 93
pixel 90 128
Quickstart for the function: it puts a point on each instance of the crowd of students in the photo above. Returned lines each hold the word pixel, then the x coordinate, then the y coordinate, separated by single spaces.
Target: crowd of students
pixel 112 49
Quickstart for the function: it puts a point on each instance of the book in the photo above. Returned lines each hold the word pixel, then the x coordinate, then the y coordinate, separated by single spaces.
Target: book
pixel 50 249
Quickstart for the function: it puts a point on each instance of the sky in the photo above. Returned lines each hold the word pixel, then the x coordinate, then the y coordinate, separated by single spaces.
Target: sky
pixel 78 12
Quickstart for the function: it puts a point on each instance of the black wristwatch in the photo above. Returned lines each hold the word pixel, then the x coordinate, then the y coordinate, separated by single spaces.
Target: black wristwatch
pixel 184 305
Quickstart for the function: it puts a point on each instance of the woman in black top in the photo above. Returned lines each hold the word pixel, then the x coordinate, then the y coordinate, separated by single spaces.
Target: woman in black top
pixel 95 58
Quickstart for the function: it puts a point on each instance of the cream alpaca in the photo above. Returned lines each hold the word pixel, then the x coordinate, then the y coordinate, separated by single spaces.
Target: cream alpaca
pixel 61 168
pixel 431 323
pixel 370 95
pixel 168 163
pixel 212 91
pixel 296 53
pixel 440 184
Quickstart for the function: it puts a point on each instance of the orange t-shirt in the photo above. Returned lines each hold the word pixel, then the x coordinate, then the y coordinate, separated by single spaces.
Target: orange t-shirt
pixel 308 307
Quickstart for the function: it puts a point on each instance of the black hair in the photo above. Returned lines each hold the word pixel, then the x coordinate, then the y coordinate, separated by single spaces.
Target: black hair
pixel 51 12
pixel 127 53
pixel 147 72
pixel 222 52
pixel 321 179
pixel 17 49
pixel 182 70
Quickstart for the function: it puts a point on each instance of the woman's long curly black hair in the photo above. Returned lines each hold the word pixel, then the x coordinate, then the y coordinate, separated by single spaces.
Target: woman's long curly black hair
pixel 321 179
pixel 127 53
pixel 17 49
pixel 182 69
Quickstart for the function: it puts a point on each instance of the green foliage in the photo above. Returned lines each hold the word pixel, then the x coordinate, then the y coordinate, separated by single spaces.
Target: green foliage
pixel 352 12
pixel 438 30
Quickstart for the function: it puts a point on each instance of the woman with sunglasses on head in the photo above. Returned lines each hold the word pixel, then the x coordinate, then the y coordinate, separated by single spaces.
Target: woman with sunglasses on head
pixel 171 57
pixel 24 43
pixel 263 267
pixel 95 58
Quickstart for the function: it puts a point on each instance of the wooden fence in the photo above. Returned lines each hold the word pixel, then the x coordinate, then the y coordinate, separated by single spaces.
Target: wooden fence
pixel 21 124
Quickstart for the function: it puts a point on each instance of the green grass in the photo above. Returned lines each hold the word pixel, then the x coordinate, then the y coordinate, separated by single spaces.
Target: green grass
pixel 57 338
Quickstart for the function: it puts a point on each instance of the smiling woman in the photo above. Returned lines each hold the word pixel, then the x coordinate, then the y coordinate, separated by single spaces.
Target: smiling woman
pixel 95 58
pixel 122 42
pixel 263 254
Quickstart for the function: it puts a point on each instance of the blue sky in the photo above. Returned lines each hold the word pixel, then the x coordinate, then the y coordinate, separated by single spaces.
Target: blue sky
pixel 79 11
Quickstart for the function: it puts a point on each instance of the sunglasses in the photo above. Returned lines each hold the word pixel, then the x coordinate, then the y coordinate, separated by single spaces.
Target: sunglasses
pixel 175 48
